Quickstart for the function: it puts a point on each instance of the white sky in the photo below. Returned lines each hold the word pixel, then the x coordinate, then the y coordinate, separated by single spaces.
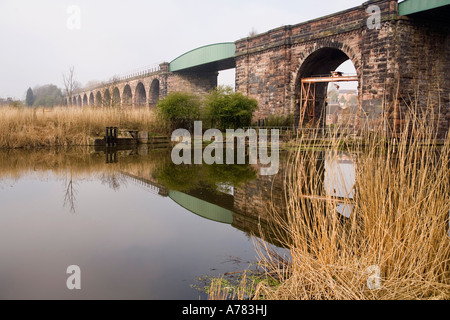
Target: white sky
pixel 116 37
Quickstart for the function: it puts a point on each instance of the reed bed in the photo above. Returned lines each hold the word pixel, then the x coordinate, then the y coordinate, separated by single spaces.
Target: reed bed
pixel 394 245
pixel 64 126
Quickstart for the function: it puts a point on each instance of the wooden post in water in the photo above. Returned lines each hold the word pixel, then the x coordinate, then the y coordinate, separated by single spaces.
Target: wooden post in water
pixel 111 136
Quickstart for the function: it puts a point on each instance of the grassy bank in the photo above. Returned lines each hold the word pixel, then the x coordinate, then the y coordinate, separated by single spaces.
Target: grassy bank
pixel 63 126
pixel 394 245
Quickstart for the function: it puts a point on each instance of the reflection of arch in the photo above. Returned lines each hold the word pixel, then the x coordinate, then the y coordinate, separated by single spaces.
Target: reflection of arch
pixel 85 100
pixel 91 99
pixel 98 99
pixel 320 62
pixel 127 96
pixel 116 97
pixel 140 95
pixel 154 93
pixel 107 98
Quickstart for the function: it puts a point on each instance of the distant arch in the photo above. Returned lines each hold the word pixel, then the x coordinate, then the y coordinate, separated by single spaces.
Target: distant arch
pixel 91 99
pixel 74 101
pixel 107 98
pixel 79 101
pixel 85 100
pixel 98 99
pixel 154 93
pixel 127 96
pixel 140 95
pixel 116 97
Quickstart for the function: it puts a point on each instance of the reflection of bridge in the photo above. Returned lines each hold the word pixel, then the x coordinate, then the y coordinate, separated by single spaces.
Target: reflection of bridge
pixel 403 54
pixel 245 208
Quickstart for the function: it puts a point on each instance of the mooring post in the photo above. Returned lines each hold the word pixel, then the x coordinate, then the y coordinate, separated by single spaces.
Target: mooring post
pixel 111 136
pixel 115 135
pixel 107 138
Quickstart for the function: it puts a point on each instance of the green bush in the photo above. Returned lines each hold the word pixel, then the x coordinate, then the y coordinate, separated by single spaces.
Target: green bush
pixel 226 109
pixel 180 109
pixel 280 120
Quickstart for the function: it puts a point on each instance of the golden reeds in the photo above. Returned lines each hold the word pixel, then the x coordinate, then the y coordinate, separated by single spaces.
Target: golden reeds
pixel 63 126
pixel 394 245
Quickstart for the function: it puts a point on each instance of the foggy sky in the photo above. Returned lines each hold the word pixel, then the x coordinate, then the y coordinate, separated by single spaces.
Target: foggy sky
pixel 116 37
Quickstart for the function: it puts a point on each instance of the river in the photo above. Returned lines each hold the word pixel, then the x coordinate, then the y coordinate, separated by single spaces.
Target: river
pixel 136 225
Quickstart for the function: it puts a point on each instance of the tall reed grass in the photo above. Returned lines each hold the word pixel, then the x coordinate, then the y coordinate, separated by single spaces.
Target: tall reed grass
pixel 394 245
pixel 63 126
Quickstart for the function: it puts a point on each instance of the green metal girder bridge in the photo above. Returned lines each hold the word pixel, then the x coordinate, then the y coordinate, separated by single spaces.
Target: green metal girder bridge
pixel 424 7
pixel 218 56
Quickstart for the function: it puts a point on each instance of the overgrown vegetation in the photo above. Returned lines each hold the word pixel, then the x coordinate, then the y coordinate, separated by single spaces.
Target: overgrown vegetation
pixel 179 110
pixel 226 109
pixel 275 120
pixel 62 126
pixel 221 108
pixel 399 224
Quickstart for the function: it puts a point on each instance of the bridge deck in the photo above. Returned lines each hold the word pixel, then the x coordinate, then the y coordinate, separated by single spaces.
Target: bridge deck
pixel 219 56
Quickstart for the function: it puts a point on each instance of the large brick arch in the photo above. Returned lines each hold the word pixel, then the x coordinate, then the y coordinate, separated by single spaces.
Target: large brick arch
pixel 319 58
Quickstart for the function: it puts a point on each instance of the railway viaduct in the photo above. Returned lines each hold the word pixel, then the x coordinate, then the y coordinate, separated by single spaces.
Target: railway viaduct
pixel 400 51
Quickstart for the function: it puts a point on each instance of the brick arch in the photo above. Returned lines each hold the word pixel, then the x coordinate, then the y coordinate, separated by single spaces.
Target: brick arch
pixel 115 97
pixel 140 95
pixel 338 45
pixel 91 99
pixel 127 96
pixel 319 59
pixel 85 100
pixel 154 92
pixel 106 98
pixel 98 99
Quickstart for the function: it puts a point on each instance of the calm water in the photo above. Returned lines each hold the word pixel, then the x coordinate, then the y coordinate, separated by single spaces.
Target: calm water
pixel 138 226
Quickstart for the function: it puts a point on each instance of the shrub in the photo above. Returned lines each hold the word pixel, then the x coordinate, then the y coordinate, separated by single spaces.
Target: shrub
pixel 180 109
pixel 280 120
pixel 225 108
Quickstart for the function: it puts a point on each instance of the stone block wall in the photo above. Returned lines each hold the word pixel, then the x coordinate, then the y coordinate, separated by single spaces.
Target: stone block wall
pixel 196 83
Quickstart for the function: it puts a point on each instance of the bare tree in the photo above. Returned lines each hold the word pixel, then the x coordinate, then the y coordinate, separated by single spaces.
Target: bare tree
pixel 252 32
pixel 70 84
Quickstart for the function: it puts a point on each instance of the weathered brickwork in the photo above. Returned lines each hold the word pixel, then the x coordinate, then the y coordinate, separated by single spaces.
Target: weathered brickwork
pixel 393 62
pixel 197 83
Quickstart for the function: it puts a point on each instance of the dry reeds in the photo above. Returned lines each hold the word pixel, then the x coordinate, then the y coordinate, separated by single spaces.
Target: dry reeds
pixel 395 244
pixel 64 126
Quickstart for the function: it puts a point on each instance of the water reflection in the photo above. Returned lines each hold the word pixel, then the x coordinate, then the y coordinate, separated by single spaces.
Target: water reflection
pixel 136 238
pixel 157 223
pixel 339 180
